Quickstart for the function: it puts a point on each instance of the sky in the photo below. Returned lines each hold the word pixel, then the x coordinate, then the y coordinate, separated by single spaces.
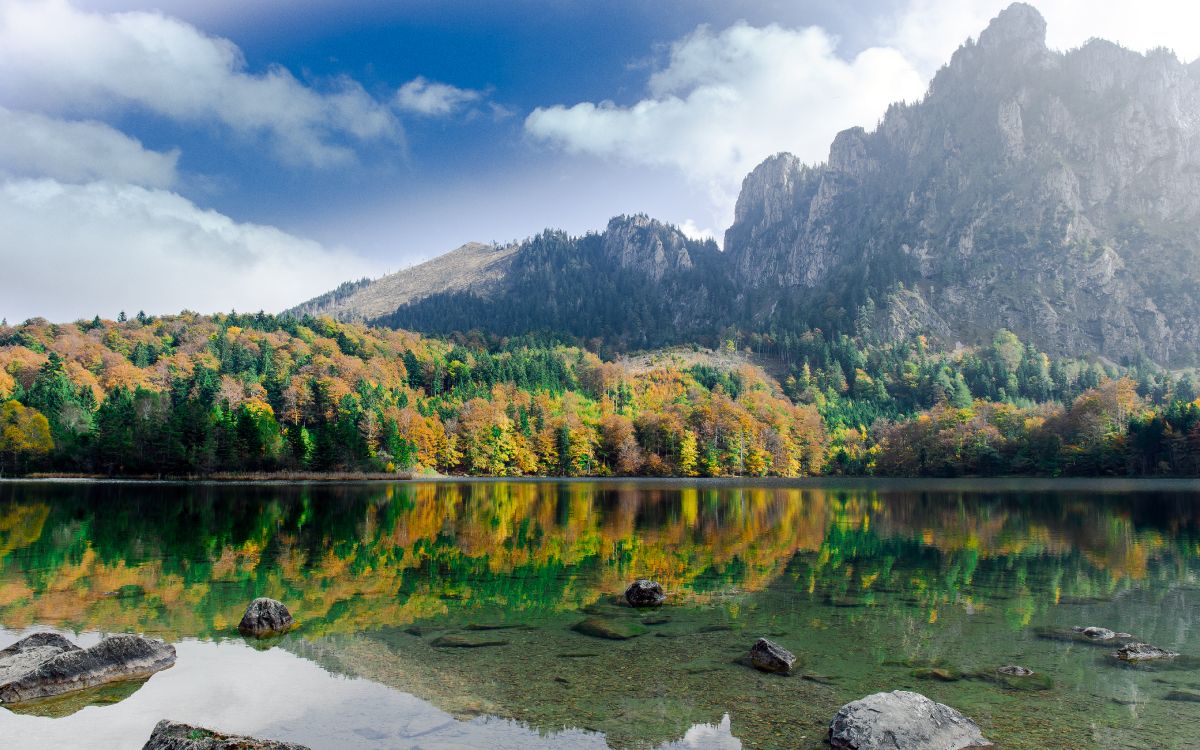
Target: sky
pixel 213 156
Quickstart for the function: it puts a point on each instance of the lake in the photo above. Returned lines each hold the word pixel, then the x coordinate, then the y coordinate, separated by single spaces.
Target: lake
pixel 921 585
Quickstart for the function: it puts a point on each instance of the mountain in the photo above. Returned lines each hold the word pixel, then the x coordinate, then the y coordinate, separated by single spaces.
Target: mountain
pixel 1055 194
pixel 638 283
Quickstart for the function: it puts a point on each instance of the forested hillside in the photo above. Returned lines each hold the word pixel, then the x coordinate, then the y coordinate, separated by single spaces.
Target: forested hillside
pixel 194 395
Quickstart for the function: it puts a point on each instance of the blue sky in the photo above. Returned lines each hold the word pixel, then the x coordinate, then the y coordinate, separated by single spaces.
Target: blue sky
pixel 206 155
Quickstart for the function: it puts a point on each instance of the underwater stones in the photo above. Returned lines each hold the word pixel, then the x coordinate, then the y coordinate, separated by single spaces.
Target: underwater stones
pixel 1142 652
pixel 1099 634
pixel 769 656
pixel 1183 696
pixel 645 593
pixel 169 735
pixel 940 674
pixel 458 641
pixel 902 720
pixel 613 630
pixel 265 617
pixel 1014 670
pixel 46 664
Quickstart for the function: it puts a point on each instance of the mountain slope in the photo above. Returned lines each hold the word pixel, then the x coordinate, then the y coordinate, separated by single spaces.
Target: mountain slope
pixel 1054 194
pixel 475 268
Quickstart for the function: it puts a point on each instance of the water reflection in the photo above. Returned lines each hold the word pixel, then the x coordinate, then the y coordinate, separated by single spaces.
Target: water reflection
pixel 876 587
pixel 182 560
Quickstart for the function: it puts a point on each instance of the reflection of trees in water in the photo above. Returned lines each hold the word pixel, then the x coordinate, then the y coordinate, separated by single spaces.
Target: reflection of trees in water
pixel 182 560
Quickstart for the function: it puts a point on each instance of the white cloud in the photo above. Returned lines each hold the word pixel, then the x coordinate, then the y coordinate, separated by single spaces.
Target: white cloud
pixel 433 99
pixel 928 31
pixel 694 232
pixel 79 250
pixel 56 59
pixel 34 145
pixel 725 101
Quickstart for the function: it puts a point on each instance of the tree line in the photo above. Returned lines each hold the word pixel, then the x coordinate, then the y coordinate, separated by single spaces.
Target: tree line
pixel 193 395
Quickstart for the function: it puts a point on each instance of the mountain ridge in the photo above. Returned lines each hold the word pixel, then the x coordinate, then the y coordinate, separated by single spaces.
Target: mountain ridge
pixel 1049 193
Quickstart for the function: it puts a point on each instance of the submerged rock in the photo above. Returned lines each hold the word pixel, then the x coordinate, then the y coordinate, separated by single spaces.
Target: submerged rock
pixel 1183 696
pixel 645 593
pixel 1142 652
pixel 614 630
pixel 941 674
pixel 265 617
pixel 1090 636
pixel 1014 670
pixel 1099 634
pixel 458 641
pixel 169 735
pixel 902 720
pixel 46 664
pixel 771 657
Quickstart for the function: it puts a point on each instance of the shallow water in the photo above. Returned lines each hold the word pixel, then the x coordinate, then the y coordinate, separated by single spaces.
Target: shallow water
pixel 875 586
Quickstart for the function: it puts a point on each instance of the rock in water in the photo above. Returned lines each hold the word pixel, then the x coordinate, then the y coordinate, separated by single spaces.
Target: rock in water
pixel 1014 670
pixel 168 735
pixel 1099 634
pixel 902 720
pixel 614 630
pixel 771 657
pixel 645 593
pixel 1142 652
pixel 265 617
pixel 46 664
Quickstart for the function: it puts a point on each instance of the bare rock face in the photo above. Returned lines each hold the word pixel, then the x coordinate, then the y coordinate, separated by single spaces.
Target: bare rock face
pixel 169 735
pixel 46 664
pixel 1049 193
pixel 902 720
pixel 645 593
pixel 771 657
pixel 265 617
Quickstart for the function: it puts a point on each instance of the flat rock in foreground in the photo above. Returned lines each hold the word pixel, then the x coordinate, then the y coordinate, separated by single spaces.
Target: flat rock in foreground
pixel 902 720
pixel 46 664
pixel 169 735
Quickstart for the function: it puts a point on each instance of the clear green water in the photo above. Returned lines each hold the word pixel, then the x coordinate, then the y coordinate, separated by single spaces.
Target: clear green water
pixel 920 585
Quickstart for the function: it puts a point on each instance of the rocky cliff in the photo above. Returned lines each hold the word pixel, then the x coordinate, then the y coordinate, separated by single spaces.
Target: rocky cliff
pixel 1054 194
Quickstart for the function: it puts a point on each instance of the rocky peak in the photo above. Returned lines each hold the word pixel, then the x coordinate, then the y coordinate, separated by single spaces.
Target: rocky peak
pixel 1019 26
pixel 645 245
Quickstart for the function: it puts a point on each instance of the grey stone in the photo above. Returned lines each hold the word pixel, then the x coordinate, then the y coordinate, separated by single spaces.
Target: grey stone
pixel 645 593
pixel 771 657
pixel 1013 670
pixel 1142 652
pixel 45 664
pixel 168 735
pixel 902 720
pixel 265 617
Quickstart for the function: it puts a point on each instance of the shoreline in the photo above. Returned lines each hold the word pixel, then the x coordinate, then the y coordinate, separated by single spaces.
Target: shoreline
pixel 943 484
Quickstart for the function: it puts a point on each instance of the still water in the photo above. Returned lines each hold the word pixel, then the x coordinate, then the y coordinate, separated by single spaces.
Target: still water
pixel 926 586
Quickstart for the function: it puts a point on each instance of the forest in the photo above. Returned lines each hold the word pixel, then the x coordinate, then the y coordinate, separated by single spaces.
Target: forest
pixel 193 395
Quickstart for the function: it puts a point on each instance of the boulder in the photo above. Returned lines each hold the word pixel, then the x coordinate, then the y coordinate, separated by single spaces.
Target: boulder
pixel 902 720
pixel 771 657
pixel 645 593
pixel 265 617
pixel 46 664
pixel 1014 670
pixel 614 630
pixel 1099 634
pixel 1142 652
pixel 169 735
